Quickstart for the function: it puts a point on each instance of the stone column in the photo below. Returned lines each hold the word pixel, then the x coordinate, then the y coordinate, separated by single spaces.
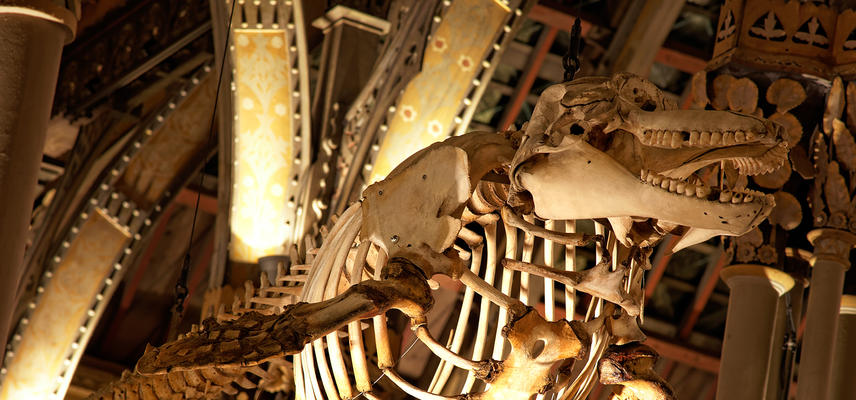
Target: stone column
pixel 32 34
pixel 843 385
pixel 830 261
pixel 781 369
pixel 752 307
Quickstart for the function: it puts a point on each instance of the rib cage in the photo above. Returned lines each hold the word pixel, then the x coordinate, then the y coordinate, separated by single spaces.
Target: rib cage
pixel 321 368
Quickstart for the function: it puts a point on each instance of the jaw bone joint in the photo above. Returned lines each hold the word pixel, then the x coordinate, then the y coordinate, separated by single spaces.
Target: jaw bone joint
pixel 579 157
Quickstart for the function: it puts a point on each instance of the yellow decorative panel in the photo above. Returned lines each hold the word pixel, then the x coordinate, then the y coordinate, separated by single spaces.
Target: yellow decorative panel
pixel 60 312
pixel 175 144
pixel 263 152
pixel 428 105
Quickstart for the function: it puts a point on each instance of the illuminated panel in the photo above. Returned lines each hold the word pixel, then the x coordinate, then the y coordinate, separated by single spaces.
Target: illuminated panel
pixel 55 324
pixel 428 105
pixel 173 148
pixel 263 152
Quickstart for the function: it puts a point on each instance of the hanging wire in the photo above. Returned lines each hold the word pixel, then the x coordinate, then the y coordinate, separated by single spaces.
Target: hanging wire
pixel 571 60
pixel 181 290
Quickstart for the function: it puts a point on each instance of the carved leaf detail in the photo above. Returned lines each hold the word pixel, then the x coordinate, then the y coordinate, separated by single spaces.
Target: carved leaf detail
pixel 837 196
pixel 820 159
pixel 769 28
pixel 788 211
pixel 819 156
pixel 793 127
pixel 785 94
pixel 845 147
pixel 743 96
pixel 699 90
pixel 719 95
pixel 727 28
pixel 812 33
pixel 815 201
pixel 851 104
pixel 834 104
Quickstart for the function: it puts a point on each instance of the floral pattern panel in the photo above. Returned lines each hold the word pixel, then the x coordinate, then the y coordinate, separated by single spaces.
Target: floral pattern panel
pixel 56 323
pixel 430 102
pixel 263 149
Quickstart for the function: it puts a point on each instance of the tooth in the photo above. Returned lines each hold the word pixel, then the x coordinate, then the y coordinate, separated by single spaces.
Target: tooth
pixel 643 174
pixel 694 137
pixel 677 138
pixel 715 138
pixel 673 185
pixel 666 138
pixel 690 189
pixel 725 196
pixel 728 138
pixel 704 139
pixel 679 188
pixel 748 198
pixel 650 178
pixel 702 191
pixel 657 180
pixel 750 135
pixel 737 198
pixel 665 183
pixel 739 136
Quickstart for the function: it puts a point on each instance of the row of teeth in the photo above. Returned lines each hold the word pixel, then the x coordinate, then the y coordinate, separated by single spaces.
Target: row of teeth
pixel 676 139
pixel 695 188
pixel 768 162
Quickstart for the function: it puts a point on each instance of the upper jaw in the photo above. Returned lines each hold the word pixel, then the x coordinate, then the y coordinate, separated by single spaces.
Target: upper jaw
pixel 699 128
pixel 676 143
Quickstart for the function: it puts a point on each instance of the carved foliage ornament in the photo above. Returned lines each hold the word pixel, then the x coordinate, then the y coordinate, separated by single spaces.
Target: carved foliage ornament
pixel 787 35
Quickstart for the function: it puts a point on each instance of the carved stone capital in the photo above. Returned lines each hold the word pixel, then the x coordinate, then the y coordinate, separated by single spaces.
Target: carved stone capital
pixel 780 281
pixel 832 245
pixel 63 12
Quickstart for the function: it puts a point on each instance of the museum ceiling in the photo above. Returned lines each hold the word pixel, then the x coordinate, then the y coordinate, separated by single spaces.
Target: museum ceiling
pixel 135 131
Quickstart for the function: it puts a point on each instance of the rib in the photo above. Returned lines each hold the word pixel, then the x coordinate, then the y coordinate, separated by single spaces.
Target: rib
pixel 483 369
pixel 413 390
pixel 549 302
pixel 570 265
pixel 598 281
pixel 355 334
pixel 576 239
pixel 505 288
pixel 444 370
pixel 528 249
pixel 484 308
pixel 384 352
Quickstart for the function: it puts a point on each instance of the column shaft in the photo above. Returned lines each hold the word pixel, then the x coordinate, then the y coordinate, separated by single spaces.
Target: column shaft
pixel 752 307
pixel 843 385
pixel 830 261
pixel 31 49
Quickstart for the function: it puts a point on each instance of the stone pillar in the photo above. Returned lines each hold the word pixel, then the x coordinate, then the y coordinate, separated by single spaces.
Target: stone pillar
pixel 781 368
pixel 752 307
pixel 32 34
pixel 843 385
pixel 829 262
